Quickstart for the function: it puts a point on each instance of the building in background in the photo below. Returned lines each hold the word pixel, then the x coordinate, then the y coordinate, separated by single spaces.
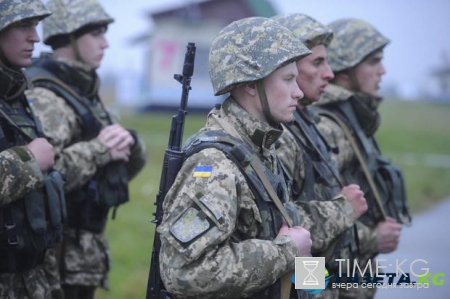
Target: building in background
pixel 198 22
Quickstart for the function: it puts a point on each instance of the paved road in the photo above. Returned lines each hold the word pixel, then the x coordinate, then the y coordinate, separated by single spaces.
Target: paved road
pixel 428 239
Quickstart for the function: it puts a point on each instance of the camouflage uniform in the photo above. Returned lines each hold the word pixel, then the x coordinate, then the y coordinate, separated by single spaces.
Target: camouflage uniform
pixel 19 172
pixel 239 255
pixel 312 179
pixel 354 40
pixel 81 156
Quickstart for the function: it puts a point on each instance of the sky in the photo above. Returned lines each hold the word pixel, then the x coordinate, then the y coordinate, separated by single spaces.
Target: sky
pixel 418 30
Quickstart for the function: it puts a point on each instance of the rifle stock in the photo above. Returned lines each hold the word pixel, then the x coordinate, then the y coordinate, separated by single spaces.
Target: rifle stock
pixel 173 159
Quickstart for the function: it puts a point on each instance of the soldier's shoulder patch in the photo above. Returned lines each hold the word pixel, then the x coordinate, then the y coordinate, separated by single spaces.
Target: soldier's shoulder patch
pixel 203 171
pixel 191 224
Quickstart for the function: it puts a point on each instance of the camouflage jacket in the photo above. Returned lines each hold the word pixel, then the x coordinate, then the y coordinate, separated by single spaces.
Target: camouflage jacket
pixel 31 284
pixel 221 262
pixel 19 174
pixel 346 156
pixel 334 213
pixel 87 258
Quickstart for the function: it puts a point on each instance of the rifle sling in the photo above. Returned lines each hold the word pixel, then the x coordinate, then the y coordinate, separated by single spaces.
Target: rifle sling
pixel 361 160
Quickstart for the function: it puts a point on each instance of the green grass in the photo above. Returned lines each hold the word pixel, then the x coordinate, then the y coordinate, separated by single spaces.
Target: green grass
pixel 415 128
pixel 410 133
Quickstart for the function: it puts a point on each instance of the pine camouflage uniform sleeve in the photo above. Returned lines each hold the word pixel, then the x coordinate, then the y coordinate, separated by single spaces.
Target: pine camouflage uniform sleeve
pixel 78 162
pixel 224 260
pixel 326 219
pixel 19 174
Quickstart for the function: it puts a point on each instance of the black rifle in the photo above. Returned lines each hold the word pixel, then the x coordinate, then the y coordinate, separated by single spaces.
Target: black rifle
pixel 173 159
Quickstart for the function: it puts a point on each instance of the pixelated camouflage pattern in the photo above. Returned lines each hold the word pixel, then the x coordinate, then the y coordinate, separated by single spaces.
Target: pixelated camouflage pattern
pixel 308 30
pixel 81 160
pixel 31 284
pixel 353 41
pixel 71 15
pixel 19 174
pixel 229 261
pixel 205 269
pixel 16 10
pixel 51 269
pixel 78 162
pixel 87 263
pixel 332 132
pixel 335 136
pixel 335 215
pixel 250 49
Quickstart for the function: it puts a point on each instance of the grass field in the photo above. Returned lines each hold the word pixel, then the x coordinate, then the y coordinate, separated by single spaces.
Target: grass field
pixel 415 135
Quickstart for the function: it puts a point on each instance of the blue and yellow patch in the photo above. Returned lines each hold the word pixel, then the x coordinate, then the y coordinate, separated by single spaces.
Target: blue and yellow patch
pixel 202 171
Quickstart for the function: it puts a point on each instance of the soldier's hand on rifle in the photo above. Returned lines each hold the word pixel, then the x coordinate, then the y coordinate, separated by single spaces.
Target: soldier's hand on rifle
pixel 115 136
pixel 356 196
pixel 43 152
pixel 388 235
pixel 301 238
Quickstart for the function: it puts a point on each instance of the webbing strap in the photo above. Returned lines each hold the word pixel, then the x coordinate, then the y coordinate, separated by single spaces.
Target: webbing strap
pixel 259 170
pixel 12 123
pixel 338 179
pixel 361 160
pixel 60 88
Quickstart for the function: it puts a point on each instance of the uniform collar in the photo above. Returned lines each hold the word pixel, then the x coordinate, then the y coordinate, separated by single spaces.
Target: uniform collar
pixel 333 94
pixel 259 135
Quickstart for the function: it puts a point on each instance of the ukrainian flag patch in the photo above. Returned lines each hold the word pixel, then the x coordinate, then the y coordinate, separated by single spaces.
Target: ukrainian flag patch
pixel 202 171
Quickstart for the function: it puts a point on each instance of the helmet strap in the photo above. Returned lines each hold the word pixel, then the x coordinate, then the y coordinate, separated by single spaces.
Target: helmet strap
pixel 75 49
pixel 354 80
pixel 264 103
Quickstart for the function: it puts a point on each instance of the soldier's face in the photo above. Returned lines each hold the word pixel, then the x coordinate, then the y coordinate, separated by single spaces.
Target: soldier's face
pixel 314 73
pixel 92 46
pixel 17 42
pixel 283 93
pixel 369 73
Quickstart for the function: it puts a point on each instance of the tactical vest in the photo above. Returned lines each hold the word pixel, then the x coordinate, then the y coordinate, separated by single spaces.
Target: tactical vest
pixel 241 155
pixel 29 225
pixel 89 205
pixel 320 183
pixel 388 178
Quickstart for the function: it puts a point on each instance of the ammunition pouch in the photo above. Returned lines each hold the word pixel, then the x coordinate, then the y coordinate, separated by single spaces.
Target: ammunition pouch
pixel 391 186
pixel 31 225
pixel 108 189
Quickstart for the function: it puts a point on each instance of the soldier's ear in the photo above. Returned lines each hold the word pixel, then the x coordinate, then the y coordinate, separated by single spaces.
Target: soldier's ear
pixel 250 88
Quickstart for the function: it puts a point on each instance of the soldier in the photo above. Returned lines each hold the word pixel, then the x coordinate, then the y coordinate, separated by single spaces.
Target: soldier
pixel 305 155
pixel 97 156
pixel 31 204
pixel 349 120
pixel 224 232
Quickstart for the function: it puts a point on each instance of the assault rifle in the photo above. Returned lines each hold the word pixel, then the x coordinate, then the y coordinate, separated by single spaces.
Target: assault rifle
pixel 173 159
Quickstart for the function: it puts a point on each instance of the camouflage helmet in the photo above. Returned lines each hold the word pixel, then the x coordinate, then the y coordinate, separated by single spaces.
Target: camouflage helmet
pixel 16 10
pixel 308 30
pixel 353 41
pixel 71 15
pixel 250 49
